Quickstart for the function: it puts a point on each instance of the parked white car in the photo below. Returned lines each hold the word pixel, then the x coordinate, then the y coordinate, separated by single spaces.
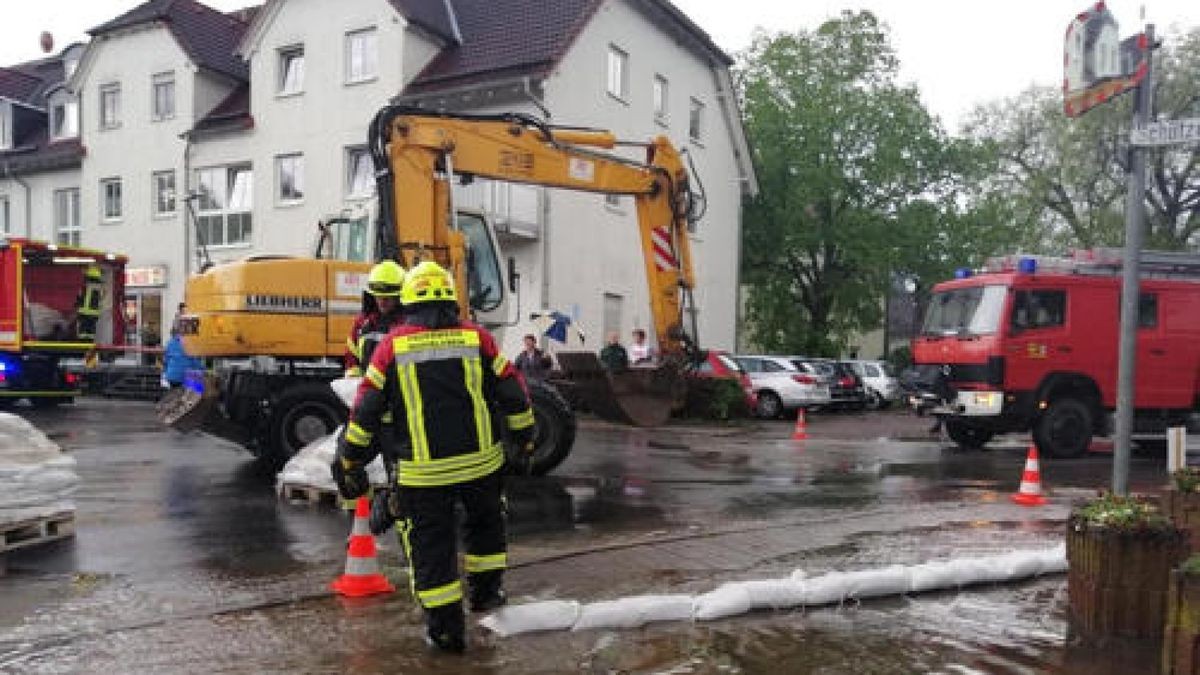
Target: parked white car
pixel 882 387
pixel 780 386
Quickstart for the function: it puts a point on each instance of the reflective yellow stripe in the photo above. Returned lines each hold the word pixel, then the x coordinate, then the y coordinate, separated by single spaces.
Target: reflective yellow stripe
pixel 473 377
pixel 403 528
pixel 354 371
pixel 377 378
pixel 352 346
pixel 499 364
pixel 522 420
pixel 442 595
pixel 357 435
pixel 485 563
pixel 433 474
pixel 407 375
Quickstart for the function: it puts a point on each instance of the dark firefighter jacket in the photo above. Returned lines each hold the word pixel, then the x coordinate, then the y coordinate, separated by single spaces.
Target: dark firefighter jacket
pixel 450 391
pixel 367 332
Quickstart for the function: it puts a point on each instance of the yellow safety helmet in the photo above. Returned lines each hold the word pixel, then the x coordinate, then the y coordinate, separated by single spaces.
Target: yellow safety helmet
pixel 385 280
pixel 92 273
pixel 428 282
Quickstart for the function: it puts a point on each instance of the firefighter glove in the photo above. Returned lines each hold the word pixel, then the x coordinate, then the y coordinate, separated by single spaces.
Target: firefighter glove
pixel 385 510
pixel 350 477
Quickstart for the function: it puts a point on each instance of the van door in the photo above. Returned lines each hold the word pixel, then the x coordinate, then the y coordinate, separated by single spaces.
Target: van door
pixel 1159 384
pixel 1038 337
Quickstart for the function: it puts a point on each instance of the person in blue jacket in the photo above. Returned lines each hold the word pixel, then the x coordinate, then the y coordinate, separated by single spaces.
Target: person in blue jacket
pixel 176 361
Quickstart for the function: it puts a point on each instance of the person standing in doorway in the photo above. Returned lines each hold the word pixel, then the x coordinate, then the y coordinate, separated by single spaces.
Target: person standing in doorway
pixel 532 362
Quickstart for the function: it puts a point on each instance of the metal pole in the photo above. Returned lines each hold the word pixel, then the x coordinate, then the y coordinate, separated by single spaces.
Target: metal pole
pixel 1134 210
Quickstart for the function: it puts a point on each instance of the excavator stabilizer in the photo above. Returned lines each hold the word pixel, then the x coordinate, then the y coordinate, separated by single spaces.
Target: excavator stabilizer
pixel 643 397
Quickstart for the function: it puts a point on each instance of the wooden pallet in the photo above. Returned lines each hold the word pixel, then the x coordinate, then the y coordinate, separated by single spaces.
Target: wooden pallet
pixel 310 495
pixel 35 531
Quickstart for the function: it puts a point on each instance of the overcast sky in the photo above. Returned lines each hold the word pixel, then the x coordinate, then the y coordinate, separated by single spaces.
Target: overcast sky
pixel 959 52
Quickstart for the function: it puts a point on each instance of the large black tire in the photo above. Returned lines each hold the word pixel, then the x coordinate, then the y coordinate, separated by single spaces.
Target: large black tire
pixel 966 435
pixel 555 429
pixel 1065 429
pixel 303 414
pixel 769 405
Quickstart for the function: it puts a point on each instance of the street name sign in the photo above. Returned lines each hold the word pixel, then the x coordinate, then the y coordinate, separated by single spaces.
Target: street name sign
pixel 1167 132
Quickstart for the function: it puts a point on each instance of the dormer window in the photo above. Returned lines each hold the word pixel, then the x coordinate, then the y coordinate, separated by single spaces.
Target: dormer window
pixel 64 118
pixel 6 133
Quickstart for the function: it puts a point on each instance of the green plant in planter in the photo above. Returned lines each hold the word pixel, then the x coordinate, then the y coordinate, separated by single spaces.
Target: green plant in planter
pixel 1187 479
pixel 1124 514
pixel 1191 566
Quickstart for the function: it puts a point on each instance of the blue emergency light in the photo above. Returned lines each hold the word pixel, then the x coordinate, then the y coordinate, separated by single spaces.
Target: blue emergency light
pixel 962 273
pixel 1027 265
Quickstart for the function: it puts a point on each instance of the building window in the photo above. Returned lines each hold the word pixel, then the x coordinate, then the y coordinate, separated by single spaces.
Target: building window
pixel 64 119
pixel 5 214
pixel 612 201
pixel 110 199
pixel 660 98
pixel 360 173
pixel 618 72
pixel 223 209
pixel 290 178
pixel 6 136
pixel 164 193
pixel 695 120
pixel 164 96
pixel 362 58
pixel 66 217
pixel 110 106
pixel 291 70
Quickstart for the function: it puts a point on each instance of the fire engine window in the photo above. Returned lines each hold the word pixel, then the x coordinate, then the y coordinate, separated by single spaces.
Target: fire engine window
pixel 1147 310
pixel 1039 309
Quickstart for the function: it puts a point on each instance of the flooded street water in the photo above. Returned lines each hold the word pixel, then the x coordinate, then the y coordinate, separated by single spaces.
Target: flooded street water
pixel 185 560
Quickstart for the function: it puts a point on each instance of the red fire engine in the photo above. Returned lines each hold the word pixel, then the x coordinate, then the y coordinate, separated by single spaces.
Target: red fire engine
pixel 1030 344
pixel 55 302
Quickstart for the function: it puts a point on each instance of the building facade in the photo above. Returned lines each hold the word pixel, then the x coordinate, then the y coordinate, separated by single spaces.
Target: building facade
pixel 242 131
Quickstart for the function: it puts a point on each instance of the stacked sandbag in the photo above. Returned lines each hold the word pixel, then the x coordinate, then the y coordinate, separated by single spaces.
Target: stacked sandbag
pixel 36 478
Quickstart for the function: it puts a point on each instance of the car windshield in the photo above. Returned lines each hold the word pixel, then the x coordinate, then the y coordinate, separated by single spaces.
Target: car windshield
pixel 965 311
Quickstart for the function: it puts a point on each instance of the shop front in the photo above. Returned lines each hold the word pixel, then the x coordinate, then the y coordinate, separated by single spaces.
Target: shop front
pixel 144 289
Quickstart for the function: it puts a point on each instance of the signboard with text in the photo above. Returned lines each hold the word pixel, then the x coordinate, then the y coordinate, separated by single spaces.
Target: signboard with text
pixel 1166 132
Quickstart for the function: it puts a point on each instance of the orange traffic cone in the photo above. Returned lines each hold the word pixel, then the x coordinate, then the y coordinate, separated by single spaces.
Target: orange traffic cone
pixel 362 577
pixel 801 431
pixel 1030 492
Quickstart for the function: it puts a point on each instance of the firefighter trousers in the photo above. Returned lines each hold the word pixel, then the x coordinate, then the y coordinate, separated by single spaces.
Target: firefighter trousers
pixel 429 532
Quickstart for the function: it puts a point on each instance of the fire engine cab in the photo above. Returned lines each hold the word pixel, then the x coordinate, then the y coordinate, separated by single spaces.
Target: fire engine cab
pixel 1030 344
pixel 56 302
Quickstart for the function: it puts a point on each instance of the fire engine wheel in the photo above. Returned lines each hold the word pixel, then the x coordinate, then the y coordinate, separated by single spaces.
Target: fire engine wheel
pixel 1065 429
pixel 555 428
pixel 967 436
pixel 303 414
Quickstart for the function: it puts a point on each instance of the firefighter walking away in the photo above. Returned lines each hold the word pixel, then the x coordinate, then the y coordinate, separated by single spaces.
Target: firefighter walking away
pixel 451 393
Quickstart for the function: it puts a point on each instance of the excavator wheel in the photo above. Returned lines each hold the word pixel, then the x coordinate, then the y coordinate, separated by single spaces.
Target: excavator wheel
pixel 555 425
pixel 303 414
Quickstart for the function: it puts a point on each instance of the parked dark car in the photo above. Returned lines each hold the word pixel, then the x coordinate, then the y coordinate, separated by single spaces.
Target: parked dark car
pixel 846 390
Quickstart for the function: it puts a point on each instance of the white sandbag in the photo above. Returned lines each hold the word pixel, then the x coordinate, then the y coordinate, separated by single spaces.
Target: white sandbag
pixel 36 478
pixel 931 575
pixel 726 600
pixel 536 616
pixel 776 593
pixel 634 611
pixel 825 589
pixel 1053 560
pixel 892 580
pixel 1020 564
pixel 310 465
pixel 346 389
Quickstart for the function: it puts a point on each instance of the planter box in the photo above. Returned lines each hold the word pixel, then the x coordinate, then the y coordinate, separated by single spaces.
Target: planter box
pixel 1181 636
pixel 1183 508
pixel 1117 581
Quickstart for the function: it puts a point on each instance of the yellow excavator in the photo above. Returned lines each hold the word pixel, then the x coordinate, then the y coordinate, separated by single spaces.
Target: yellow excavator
pixel 272 327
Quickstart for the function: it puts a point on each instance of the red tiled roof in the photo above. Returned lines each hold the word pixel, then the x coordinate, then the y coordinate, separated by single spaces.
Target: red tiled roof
pixel 209 37
pixel 21 86
pixel 512 37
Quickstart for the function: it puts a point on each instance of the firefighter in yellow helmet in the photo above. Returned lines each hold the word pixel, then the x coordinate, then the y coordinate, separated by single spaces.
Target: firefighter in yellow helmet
pixel 87 311
pixel 451 393
pixel 380 313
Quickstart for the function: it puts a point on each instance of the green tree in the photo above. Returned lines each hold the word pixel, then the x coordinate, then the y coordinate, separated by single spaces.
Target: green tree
pixel 1065 178
pixel 858 182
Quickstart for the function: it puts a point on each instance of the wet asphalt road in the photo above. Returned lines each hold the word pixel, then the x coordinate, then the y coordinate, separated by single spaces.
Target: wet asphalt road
pixel 185 560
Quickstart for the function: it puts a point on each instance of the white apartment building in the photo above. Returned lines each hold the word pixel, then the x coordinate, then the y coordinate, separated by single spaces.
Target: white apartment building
pixel 261 116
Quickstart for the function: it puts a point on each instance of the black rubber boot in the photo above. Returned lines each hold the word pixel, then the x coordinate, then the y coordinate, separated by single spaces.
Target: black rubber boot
pixel 484 590
pixel 445 628
pixel 486 603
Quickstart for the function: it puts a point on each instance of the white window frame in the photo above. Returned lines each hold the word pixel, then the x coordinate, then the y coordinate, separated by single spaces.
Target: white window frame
pixel 6 126
pixel 163 186
pixel 67 221
pixel 166 82
pixel 695 120
pixel 64 119
pixel 110 198
pixel 230 209
pixel 366 68
pixel 618 73
pixel 110 120
pixel 293 161
pixel 283 58
pixel 359 186
pixel 5 215
pixel 660 97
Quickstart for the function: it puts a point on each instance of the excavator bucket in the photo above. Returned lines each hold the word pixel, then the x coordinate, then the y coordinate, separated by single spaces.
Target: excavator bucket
pixel 643 397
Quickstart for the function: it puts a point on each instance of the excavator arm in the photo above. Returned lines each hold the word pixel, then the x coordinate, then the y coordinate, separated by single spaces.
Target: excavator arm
pixel 417 153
